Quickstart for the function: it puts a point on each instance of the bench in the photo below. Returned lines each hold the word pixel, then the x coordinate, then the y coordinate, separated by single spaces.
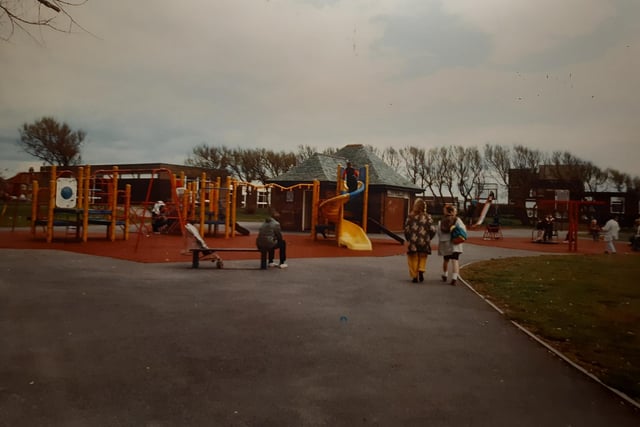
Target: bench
pixel 200 254
pixel 204 252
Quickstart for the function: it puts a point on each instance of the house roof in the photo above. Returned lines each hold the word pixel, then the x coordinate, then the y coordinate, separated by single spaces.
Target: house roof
pixel 323 168
pixel 319 166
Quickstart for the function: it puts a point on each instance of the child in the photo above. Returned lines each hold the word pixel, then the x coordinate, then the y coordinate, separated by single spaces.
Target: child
pixel 446 248
pixel 594 230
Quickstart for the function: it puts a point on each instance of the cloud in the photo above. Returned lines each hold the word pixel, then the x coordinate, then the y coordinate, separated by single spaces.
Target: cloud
pixel 520 30
pixel 158 78
pixel 429 39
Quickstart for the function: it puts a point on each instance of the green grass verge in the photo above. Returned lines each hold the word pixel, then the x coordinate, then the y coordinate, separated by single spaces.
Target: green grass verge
pixel 15 214
pixel 586 306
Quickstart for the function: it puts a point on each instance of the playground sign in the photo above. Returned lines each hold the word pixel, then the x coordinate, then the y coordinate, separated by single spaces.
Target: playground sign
pixel 66 193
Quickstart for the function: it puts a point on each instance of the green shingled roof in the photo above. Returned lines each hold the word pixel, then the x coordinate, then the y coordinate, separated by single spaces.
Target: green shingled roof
pixel 323 168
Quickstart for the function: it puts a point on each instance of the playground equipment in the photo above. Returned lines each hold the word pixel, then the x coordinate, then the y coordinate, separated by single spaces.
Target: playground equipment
pixel 348 233
pixel 572 208
pixel 492 232
pixel 485 209
pixel 69 205
pixel 204 253
pixel 207 202
pixel 211 204
pixel 388 232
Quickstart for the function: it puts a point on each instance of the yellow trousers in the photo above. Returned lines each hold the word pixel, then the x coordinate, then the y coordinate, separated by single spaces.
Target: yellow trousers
pixel 417 261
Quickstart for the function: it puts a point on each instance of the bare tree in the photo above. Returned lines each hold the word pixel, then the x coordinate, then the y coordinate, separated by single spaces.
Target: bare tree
pixel 618 179
pixel 27 15
pixel 246 165
pixel 527 158
pixel 438 173
pixel 391 157
pixel 498 158
pixel 430 175
pixel 467 168
pixel 52 142
pixel 594 177
pixel 250 164
pixel 414 160
pixel 579 174
pixel 276 163
pixel 204 156
pixel 304 152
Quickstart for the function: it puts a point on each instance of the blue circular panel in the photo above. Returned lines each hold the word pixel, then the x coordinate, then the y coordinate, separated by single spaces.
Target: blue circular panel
pixel 66 193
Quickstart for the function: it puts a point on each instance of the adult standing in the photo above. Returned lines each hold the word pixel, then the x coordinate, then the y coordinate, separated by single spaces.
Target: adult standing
pixel 610 232
pixel 418 230
pixel 446 248
pixel 269 239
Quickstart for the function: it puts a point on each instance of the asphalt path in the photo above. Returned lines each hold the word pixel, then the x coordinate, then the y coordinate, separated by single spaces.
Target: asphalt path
pixel 92 341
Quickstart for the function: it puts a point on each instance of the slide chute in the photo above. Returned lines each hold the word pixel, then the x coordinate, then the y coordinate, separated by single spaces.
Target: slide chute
pixel 349 234
pixel 485 209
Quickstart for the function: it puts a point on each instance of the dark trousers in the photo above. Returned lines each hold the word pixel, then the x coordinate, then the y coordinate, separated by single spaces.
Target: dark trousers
pixel 271 253
pixel 158 222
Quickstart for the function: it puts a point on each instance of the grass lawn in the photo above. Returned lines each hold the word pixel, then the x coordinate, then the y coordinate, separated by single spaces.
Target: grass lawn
pixel 15 214
pixel 586 306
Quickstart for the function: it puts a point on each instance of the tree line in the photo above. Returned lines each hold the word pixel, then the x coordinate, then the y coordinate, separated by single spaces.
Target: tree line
pixel 444 172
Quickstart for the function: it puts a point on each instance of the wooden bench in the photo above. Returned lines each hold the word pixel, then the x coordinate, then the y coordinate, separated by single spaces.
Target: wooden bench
pixel 200 254
pixel 204 252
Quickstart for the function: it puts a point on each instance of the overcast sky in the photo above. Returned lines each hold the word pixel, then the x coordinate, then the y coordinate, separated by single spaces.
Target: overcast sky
pixel 156 78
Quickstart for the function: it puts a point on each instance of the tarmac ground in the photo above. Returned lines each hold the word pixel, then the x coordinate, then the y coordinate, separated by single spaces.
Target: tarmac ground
pixel 89 340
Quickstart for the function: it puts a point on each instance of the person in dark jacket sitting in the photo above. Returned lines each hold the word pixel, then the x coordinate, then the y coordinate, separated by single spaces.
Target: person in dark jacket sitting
pixel 269 239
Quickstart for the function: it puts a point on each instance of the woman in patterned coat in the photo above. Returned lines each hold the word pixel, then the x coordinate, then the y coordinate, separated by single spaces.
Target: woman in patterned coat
pixel 418 230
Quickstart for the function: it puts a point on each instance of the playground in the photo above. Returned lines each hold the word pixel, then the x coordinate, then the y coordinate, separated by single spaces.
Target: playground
pixel 76 200
pixel 168 248
pixel 125 332
pixel 74 210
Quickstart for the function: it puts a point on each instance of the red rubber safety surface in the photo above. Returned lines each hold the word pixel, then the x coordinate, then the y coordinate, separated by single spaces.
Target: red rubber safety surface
pixel 174 248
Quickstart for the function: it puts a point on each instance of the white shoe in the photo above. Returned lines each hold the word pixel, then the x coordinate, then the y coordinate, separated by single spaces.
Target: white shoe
pixel 272 264
pixel 283 265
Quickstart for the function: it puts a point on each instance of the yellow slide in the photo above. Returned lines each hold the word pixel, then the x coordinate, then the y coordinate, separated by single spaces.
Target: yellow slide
pixel 350 234
pixel 353 237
